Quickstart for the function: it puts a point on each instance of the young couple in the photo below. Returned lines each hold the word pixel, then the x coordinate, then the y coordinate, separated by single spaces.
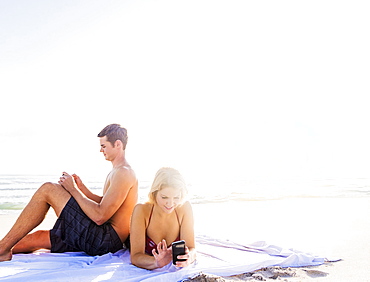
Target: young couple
pixel 100 224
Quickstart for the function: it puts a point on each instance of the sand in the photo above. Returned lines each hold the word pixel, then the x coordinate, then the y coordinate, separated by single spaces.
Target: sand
pixel 331 227
pixel 338 228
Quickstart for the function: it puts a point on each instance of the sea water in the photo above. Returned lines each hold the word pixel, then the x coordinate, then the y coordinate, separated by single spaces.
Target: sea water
pixel 306 214
pixel 17 190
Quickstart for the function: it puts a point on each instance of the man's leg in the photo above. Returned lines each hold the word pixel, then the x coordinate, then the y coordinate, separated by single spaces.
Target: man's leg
pixel 49 194
pixel 32 242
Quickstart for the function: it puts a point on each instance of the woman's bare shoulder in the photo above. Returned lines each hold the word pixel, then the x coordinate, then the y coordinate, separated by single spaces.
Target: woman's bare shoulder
pixel 184 208
pixel 143 209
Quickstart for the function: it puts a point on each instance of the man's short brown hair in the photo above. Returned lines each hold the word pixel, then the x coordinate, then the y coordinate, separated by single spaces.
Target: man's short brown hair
pixel 115 132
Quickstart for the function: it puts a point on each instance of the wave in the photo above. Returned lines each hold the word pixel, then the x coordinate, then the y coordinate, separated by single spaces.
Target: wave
pixel 12 206
pixel 16 191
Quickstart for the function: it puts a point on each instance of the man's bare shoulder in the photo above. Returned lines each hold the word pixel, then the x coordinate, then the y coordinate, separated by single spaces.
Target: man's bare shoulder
pixel 122 177
pixel 123 173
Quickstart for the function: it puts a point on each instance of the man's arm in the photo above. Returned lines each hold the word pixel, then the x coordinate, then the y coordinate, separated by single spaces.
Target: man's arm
pixel 86 190
pixel 120 184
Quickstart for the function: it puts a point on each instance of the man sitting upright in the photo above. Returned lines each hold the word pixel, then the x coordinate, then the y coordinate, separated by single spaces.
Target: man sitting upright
pixel 86 222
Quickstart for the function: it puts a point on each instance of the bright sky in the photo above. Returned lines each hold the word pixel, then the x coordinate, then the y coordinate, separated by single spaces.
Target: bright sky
pixel 218 89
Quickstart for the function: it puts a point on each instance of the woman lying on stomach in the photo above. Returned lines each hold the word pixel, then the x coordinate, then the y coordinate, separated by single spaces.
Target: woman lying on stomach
pixel 164 219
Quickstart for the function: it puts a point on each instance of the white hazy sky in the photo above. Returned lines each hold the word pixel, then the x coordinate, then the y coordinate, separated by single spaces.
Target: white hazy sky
pixel 218 89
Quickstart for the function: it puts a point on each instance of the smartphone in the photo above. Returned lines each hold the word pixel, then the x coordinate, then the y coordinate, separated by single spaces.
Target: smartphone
pixel 178 248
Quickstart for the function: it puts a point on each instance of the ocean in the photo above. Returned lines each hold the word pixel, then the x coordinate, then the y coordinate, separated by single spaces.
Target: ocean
pixel 17 190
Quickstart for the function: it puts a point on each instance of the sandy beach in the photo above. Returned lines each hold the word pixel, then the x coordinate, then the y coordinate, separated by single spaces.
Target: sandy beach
pixel 337 228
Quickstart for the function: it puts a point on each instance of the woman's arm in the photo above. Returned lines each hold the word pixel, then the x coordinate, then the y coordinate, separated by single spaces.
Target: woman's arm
pixel 187 234
pixel 137 240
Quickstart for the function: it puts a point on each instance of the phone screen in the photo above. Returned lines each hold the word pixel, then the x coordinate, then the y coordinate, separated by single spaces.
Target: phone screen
pixel 178 248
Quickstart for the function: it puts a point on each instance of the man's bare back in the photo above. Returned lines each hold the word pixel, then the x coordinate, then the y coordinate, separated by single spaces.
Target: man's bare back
pixel 121 219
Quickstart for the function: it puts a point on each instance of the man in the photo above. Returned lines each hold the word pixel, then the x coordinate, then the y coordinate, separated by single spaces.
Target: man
pixel 86 222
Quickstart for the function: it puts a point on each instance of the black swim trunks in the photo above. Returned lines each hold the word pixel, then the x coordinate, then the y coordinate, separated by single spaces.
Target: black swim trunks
pixel 74 231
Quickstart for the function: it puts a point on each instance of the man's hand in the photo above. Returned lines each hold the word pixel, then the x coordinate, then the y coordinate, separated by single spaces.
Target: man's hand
pixel 77 180
pixel 67 182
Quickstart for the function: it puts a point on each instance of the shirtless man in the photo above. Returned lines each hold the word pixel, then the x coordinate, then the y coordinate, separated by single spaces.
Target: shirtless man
pixel 86 222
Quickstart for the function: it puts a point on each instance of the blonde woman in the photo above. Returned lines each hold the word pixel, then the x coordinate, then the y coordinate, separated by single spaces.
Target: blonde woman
pixel 165 218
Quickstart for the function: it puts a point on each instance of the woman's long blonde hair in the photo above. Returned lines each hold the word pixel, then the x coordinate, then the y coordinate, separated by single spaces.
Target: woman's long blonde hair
pixel 164 178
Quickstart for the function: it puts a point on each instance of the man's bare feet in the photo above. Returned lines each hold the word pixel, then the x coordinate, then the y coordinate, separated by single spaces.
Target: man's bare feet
pixel 4 256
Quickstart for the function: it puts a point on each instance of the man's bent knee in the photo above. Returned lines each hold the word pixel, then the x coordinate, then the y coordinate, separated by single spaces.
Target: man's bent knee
pixel 55 195
pixel 49 188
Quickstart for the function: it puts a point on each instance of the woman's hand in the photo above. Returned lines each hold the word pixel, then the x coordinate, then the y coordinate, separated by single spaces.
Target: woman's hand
pixel 163 255
pixel 189 258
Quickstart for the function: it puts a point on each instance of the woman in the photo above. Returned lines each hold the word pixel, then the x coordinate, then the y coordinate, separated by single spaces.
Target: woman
pixel 164 218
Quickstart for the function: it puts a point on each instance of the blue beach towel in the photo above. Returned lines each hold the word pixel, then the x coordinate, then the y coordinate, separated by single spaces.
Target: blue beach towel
pixel 216 257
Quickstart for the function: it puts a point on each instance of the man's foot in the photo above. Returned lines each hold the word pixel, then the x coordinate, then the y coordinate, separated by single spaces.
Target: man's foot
pixel 4 256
